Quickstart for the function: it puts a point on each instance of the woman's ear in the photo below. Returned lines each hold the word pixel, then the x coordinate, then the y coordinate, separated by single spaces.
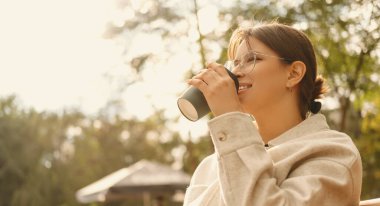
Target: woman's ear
pixel 296 71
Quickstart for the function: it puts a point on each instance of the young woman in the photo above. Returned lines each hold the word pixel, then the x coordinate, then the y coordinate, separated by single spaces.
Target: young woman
pixel 286 154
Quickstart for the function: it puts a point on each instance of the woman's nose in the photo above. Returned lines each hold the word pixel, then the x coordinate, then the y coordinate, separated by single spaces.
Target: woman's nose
pixel 237 73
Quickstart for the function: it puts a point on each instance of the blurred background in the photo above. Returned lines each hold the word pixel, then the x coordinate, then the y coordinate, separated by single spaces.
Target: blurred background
pixel 88 87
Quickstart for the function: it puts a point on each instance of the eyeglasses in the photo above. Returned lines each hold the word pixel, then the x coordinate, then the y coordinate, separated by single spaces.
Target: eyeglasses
pixel 248 62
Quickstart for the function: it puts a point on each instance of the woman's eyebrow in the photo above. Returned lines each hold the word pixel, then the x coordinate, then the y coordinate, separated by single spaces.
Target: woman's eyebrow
pixel 258 52
pixel 248 52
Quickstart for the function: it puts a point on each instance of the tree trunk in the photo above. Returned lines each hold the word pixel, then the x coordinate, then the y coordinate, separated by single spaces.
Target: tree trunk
pixel 345 105
pixel 352 85
pixel 201 37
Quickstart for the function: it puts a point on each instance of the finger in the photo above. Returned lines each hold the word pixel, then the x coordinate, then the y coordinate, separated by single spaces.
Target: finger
pixel 218 68
pixel 207 75
pixel 221 71
pixel 198 83
pixel 202 71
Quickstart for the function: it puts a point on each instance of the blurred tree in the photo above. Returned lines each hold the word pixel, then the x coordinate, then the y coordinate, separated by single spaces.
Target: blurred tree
pixel 45 157
pixel 30 145
pixel 369 146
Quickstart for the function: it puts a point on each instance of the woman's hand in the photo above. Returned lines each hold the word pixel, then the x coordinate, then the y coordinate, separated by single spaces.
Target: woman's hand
pixel 218 89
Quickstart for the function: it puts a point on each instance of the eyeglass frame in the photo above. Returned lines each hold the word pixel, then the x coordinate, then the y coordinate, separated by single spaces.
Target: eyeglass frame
pixel 230 63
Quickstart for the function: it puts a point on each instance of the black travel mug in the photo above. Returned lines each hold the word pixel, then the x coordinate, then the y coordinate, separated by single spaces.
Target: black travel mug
pixel 193 104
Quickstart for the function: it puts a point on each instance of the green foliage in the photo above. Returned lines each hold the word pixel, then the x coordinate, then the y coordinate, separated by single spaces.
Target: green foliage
pixel 196 152
pixel 45 157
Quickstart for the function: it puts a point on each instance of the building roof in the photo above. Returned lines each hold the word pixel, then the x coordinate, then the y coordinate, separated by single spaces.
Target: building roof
pixel 143 176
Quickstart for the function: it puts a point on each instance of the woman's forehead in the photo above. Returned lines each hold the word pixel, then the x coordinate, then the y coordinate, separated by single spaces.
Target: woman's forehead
pixel 252 44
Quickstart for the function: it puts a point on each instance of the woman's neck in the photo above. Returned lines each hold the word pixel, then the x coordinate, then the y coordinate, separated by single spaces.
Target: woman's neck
pixel 271 126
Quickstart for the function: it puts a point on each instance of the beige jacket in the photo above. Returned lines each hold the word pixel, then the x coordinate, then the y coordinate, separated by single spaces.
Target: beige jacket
pixel 309 164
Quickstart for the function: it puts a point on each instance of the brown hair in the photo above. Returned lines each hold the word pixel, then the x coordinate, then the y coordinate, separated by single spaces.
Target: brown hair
pixel 292 45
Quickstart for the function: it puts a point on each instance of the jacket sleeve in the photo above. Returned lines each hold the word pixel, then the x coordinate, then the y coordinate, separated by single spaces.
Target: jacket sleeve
pixel 246 170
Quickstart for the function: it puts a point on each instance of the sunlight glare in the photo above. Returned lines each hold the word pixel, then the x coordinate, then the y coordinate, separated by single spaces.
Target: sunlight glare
pixel 53 53
pixel 208 19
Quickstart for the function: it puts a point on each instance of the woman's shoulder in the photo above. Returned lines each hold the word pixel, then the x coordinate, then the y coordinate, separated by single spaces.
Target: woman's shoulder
pixel 331 144
pixel 333 137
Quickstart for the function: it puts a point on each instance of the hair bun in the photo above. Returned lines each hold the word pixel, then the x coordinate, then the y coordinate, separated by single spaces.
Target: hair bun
pixel 315 106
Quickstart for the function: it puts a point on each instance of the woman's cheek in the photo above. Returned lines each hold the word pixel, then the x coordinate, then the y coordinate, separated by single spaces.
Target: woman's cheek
pixel 262 81
pixel 265 86
pixel 259 92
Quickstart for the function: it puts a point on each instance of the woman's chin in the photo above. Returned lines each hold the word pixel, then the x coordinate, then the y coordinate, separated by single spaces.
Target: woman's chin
pixel 245 96
pixel 248 105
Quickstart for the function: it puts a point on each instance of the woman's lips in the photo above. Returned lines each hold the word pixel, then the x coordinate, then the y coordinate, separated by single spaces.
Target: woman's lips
pixel 244 87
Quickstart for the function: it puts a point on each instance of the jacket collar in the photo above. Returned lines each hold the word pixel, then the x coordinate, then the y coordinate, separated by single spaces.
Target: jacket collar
pixel 314 123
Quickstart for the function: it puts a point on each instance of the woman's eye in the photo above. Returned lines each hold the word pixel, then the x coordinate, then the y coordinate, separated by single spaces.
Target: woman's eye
pixel 251 59
pixel 259 58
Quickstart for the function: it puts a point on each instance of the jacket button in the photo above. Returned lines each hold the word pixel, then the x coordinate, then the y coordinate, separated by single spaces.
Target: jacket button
pixel 222 136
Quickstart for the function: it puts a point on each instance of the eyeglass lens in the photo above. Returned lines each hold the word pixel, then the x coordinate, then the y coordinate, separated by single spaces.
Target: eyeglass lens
pixel 245 65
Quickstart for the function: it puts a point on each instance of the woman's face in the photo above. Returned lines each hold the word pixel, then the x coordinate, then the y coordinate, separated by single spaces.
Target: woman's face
pixel 264 86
